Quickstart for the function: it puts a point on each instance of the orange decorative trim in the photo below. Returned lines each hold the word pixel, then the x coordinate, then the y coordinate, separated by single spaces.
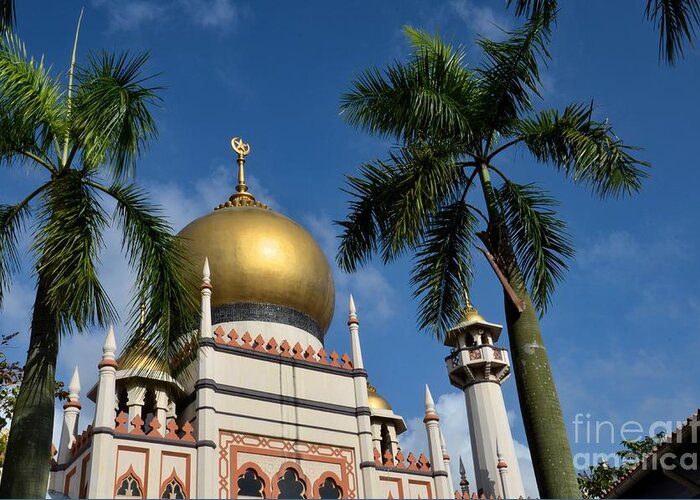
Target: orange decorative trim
pixel 108 362
pixel 67 480
pixel 431 418
pixel 281 471
pixel 72 404
pixel 131 472
pixel 232 444
pixel 353 322
pixel 82 493
pixel 205 286
pixel 188 459
pixel 283 349
pixel 422 483
pixel 399 484
pixel 261 475
pixel 169 479
pixel 322 479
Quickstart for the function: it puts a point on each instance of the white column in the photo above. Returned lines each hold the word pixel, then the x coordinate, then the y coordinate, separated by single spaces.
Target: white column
pixel 162 405
pixel 432 427
pixel 446 460
pixel 135 397
pixel 488 424
pixel 102 463
pixel 502 467
pixel 71 416
pixel 207 432
pixel 368 470
pixel 354 327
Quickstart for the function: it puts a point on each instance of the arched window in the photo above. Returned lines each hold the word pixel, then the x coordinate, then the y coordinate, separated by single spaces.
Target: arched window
pixel 122 398
pixel 173 489
pixel 250 484
pixel 330 489
pixel 385 442
pixel 129 486
pixel 290 486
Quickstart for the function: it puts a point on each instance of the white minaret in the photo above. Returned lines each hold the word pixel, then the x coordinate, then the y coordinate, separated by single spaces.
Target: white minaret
pixel 362 400
pixel 478 367
pixel 71 416
pixel 432 427
pixel 103 449
pixel 207 432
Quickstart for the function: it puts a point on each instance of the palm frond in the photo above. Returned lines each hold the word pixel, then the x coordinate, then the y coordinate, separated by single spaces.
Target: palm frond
pixel 676 21
pixel 160 263
pixel 586 150
pixel 7 16
pixel 67 247
pixel 540 242
pixel 510 74
pixel 12 219
pixel 401 192
pixel 111 122
pixel 428 95
pixel 31 113
pixel 529 8
pixel 442 268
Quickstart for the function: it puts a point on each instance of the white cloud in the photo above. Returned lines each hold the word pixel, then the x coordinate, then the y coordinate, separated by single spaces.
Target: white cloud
pixel 211 13
pixel 453 422
pixel 372 291
pixel 481 19
pixel 131 15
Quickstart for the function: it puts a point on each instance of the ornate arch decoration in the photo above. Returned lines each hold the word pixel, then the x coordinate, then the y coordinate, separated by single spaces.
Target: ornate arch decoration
pixel 169 487
pixel 274 486
pixel 241 471
pixel 131 485
pixel 321 481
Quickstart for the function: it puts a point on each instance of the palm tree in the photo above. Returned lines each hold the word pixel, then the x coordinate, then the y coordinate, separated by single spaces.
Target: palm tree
pixel 85 139
pixel 676 21
pixel 452 125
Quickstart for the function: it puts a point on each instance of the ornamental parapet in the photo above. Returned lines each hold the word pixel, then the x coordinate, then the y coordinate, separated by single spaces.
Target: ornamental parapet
pixel 282 349
pixel 480 363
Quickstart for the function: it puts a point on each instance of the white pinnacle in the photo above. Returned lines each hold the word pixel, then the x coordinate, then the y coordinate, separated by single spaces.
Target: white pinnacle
pixel 429 403
pixel 206 274
pixel 351 307
pixel 74 385
pixel 110 345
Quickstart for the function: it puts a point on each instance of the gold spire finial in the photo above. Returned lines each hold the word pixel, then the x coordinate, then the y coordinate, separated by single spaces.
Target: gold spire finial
pixel 470 312
pixel 241 198
pixel 243 150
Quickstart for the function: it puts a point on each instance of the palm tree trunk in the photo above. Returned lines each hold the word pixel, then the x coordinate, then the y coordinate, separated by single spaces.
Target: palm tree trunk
pixel 27 460
pixel 539 403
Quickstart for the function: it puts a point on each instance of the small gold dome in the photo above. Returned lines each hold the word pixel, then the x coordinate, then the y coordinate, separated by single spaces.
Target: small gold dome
pixel 376 401
pixel 261 257
pixel 471 314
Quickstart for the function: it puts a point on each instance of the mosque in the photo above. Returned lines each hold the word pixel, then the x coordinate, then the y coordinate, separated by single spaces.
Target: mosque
pixel 267 410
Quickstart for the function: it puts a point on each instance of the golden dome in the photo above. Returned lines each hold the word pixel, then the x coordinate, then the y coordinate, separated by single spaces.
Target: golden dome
pixel 258 258
pixel 376 402
pixel 471 314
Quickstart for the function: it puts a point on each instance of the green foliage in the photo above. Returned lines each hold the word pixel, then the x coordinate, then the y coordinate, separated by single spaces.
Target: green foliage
pixel 452 124
pixel 587 151
pixel 104 124
pixel 676 21
pixel 539 238
pixel 7 15
pixel 598 479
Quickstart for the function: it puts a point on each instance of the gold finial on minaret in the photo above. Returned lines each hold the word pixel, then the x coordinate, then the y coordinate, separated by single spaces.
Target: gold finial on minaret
pixel 243 150
pixel 241 198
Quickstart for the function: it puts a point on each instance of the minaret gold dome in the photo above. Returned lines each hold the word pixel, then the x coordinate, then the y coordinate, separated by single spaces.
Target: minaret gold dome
pixel 261 261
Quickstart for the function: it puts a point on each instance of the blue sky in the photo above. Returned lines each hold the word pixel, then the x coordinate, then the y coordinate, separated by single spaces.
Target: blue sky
pixel 622 333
